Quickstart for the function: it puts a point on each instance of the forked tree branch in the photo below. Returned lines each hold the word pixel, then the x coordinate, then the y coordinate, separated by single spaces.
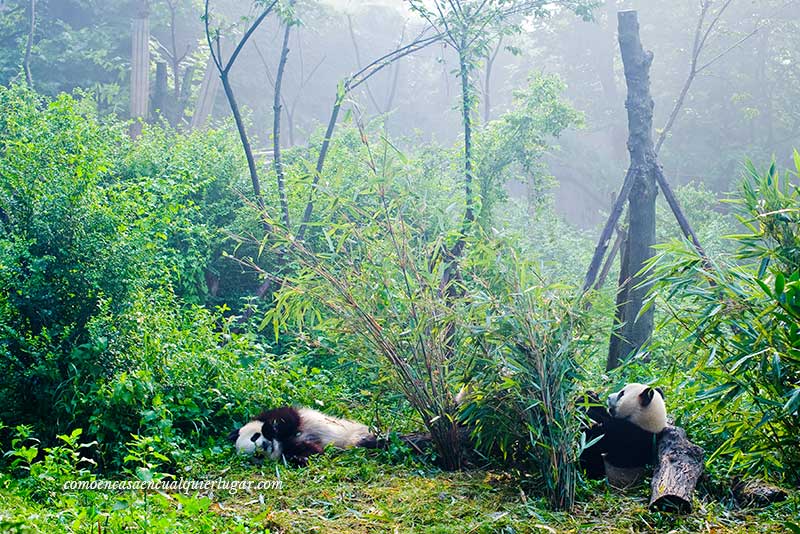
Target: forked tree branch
pixel 343 90
pixel 224 68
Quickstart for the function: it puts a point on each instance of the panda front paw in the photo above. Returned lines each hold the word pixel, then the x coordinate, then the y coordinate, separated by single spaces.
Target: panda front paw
pixel 298 461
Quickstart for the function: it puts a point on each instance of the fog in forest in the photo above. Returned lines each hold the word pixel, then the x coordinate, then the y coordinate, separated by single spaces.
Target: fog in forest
pixel 743 102
pixel 399 266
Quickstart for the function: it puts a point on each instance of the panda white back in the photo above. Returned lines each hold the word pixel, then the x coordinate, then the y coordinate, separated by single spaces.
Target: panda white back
pixel 328 430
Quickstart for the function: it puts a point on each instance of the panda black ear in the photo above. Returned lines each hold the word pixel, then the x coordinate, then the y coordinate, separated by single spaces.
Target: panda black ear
pixel 233 436
pixel 646 396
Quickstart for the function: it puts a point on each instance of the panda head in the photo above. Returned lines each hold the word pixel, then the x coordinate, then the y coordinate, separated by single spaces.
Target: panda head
pixel 280 424
pixel 641 405
pixel 250 439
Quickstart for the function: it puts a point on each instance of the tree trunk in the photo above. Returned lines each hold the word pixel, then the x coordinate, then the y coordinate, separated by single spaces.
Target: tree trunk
pixel 183 98
pixel 26 62
pixel 160 91
pixel 487 83
pixel 140 67
pixel 680 464
pixel 206 97
pixel 619 308
pixel 612 255
pixel 276 126
pixel 637 328
pixel 248 150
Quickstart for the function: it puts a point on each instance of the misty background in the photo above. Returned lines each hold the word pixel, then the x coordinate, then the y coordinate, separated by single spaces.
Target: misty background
pixel 746 102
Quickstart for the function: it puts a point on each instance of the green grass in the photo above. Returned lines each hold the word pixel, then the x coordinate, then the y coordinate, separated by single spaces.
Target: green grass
pixel 364 492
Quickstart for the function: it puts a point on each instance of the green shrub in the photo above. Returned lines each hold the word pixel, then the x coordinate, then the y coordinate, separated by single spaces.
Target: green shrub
pixel 741 320
pixel 525 378
pixel 106 250
pixel 61 251
pixel 42 471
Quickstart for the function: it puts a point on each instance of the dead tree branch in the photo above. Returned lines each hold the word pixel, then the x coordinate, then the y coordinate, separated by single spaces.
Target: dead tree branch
pixel 224 68
pixel 276 123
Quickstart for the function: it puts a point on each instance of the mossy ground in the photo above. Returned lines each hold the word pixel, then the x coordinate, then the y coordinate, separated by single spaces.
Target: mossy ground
pixel 364 492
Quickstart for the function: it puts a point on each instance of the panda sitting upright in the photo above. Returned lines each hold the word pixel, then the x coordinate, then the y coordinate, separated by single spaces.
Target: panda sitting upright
pixel 636 414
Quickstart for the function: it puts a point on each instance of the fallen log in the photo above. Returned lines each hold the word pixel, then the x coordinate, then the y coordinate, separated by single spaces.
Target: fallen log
pixel 758 493
pixel 678 468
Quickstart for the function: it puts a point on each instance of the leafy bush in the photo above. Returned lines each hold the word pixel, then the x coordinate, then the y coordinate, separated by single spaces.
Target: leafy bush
pixel 43 470
pixel 525 377
pixel 380 278
pixel 741 320
pixel 182 197
pixel 106 247
pixel 511 148
pixel 61 252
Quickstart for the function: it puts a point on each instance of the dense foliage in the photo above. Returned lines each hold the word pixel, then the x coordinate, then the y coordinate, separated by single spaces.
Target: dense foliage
pixel 740 318
pixel 150 301
pixel 108 251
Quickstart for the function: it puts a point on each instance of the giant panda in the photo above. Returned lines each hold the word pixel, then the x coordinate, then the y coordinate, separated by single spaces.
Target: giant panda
pixel 627 430
pixel 297 433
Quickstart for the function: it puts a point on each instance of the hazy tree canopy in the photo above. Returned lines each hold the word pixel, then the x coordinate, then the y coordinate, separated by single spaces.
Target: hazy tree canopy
pixel 746 99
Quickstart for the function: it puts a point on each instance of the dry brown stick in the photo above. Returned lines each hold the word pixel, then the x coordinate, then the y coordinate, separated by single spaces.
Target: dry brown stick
pixel 621 234
pixel 605 235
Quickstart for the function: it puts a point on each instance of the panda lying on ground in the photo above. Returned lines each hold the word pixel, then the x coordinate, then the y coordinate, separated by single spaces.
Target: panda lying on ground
pixel 635 415
pixel 297 433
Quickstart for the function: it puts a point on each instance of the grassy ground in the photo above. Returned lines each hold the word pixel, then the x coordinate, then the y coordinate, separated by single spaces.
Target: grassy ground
pixel 356 492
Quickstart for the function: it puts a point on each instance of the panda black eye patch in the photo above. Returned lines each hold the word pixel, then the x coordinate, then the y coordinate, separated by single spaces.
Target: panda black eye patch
pixel 621 393
pixel 255 437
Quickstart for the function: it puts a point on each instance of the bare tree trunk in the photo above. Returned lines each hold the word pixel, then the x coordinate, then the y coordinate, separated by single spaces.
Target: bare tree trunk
pixel 183 99
pixel 140 67
pixel 206 97
pixel 248 150
pixel 680 464
pixel 701 36
pixel 637 328
pixel 622 234
pixel 175 60
pixel 608 230
pixel 619 308
pixel 276 125
pixel 224 69
pixel 487 82
pixel 26 63
pixel 160 91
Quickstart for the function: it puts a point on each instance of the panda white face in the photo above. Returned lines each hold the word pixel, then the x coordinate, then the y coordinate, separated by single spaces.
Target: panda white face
pixel 252 441
pixel 641 405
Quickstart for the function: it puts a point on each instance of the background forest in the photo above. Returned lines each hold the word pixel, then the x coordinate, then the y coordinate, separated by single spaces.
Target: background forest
pixel 210 208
